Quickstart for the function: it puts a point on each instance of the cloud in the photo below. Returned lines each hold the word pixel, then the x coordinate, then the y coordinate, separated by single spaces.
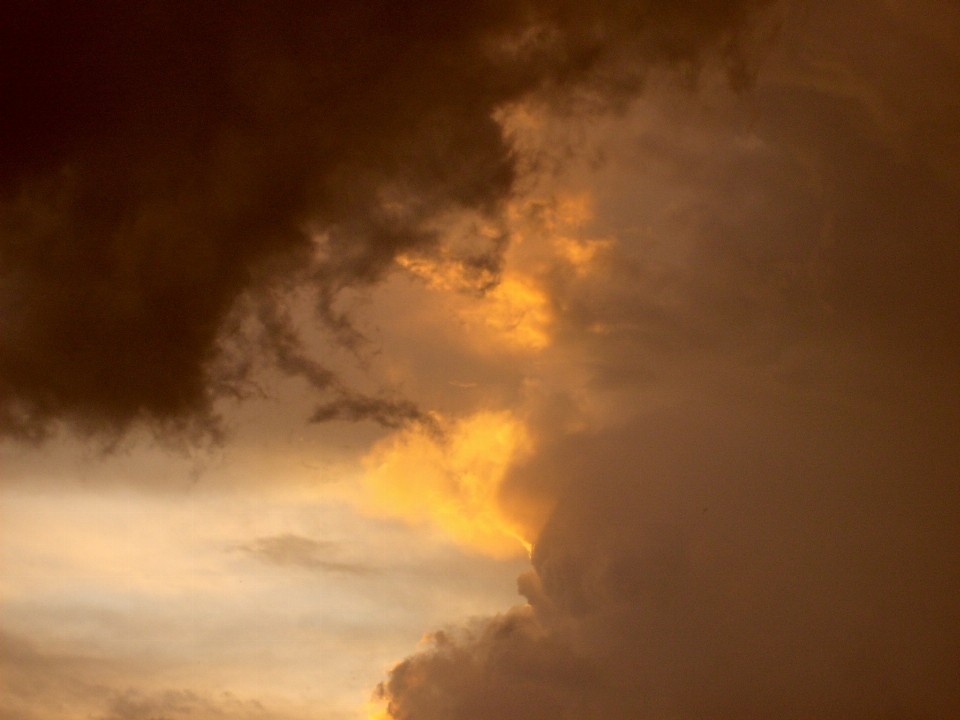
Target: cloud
pixel 384 411
pixel 133 705
pixel 41 683
pixel 758 515
pixel 724 560
pixel 511 310
pixel 296 551
pixel 33 679
pixel 160 162
pixel 731 435
pixel 454 482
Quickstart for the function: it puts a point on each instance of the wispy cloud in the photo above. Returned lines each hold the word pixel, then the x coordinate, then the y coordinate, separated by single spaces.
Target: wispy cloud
pixel 289 550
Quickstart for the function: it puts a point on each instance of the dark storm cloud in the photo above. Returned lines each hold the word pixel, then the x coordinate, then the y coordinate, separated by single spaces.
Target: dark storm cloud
pixel 776 530
pixel 160 159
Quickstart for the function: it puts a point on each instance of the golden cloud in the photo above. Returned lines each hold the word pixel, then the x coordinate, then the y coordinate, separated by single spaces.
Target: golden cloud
pixel 454 483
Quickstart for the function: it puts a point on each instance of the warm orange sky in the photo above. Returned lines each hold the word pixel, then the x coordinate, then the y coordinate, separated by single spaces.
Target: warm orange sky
pixel 513 360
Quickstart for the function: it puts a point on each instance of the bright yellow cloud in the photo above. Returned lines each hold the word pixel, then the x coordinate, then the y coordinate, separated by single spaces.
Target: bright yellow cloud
pixel 453 482
pixel 377 710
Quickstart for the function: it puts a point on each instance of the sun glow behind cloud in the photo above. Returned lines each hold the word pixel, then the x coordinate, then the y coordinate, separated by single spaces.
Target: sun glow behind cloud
pixel 514 312
pixel 512 309
pixel 454 482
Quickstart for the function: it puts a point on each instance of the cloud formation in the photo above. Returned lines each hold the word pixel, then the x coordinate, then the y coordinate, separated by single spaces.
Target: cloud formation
pixel 454 481
pixel 40 684
pixel 706 565
pixel 722 403
pixel 162 159
pixel 290 550
pixel 762 521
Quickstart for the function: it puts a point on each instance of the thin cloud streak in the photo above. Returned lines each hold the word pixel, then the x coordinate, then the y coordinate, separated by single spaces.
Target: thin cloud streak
pixel 291 550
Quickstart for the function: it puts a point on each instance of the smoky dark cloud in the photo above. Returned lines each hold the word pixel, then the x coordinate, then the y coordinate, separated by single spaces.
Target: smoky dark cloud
pixel 771 529
pixel 161 159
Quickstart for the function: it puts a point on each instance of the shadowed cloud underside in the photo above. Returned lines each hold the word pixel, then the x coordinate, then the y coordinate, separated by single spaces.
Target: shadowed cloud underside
pixel 162 159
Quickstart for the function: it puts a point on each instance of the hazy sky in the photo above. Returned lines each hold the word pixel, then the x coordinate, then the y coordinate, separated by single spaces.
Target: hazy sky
pixel 481 360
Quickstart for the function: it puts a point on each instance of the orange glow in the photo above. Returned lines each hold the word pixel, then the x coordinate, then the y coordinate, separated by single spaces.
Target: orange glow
pixel 511 309
pixel 514 312
pixel 453 483
pixel 563 221
pixel 377 710
pixel 580 253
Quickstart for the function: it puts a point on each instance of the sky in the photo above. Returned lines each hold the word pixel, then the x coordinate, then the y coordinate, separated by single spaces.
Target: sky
pixel 460 361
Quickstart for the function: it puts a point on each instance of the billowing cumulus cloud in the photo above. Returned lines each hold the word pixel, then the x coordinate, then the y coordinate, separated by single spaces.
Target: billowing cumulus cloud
pixel 780 563
pixel 763 521
pixel 162 159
